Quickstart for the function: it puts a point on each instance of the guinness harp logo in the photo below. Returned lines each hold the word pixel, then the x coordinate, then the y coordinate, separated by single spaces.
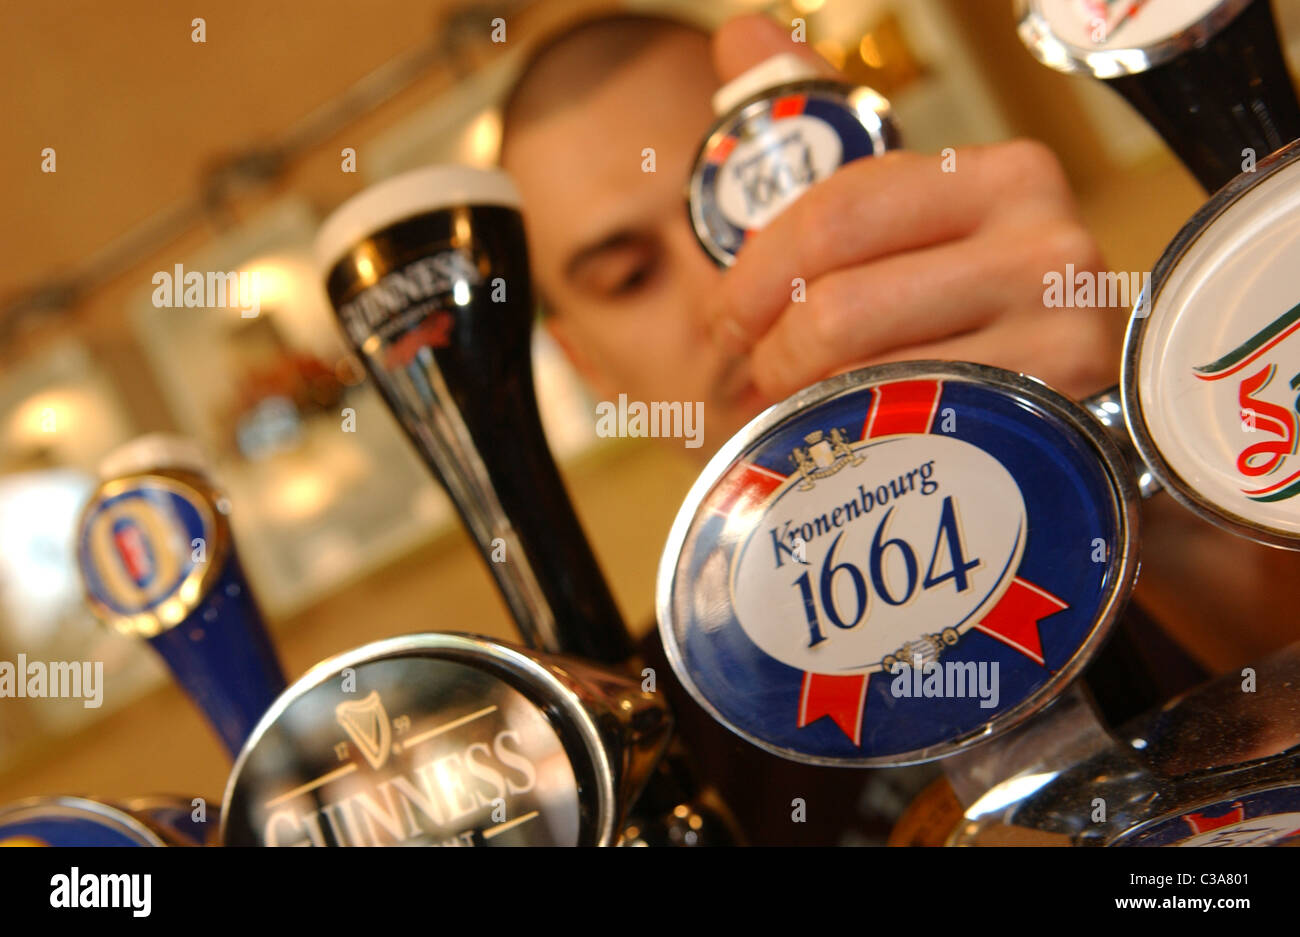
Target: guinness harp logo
pixel 367 725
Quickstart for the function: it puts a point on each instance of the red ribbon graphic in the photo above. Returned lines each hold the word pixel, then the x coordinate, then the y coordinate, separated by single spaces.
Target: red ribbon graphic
pixel 1200 823
pixel 1014 620
pixel 844 699
pixel 791 105
pixel 744 489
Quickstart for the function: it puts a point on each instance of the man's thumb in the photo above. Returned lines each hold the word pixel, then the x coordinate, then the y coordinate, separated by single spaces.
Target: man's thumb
pixel 745 41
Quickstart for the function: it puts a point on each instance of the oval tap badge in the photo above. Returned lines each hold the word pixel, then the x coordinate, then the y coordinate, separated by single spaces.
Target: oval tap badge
pixel 896 563
pixel 1108 38
pixel 1211 379
pixel 393 744
pixel 767 151
pixel 148 545
pixel 1269 817
pixel 72 821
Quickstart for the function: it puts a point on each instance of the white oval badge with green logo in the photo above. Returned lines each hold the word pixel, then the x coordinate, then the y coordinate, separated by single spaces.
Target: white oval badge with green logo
pixel 1212 374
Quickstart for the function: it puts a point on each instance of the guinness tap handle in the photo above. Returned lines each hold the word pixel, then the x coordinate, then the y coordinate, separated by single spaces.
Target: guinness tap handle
pixel 428 274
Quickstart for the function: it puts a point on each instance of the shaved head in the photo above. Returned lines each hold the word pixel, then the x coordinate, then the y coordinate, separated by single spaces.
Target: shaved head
pixel 600 135
pixel 563 70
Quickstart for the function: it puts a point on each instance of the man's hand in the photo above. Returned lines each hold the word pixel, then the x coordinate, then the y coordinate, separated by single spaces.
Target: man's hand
pixel 904 261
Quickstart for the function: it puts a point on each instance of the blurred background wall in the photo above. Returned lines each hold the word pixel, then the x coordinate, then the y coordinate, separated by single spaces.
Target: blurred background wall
pixel 225 155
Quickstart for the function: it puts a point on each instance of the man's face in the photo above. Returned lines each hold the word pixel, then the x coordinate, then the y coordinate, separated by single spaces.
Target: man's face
pixel 612 249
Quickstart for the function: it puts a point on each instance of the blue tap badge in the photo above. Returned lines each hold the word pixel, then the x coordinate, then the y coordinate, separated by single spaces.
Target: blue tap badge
pixel 147 545
pixel 1269 817
pixel 72 821
pixel 157 561
pixel 896 563
pixel 176 816
pixel 768 151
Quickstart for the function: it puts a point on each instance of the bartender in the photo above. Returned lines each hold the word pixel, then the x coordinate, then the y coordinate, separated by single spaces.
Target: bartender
pixel 899 261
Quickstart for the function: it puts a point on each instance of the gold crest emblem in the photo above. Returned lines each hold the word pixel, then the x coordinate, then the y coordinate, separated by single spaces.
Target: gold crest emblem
pixel 825 454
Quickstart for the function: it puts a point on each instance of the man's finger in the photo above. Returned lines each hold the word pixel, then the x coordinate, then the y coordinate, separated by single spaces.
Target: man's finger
pixel 747 40
pixel 895 304
pixel 872 208
pixel 1072 350
pixel 866 210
